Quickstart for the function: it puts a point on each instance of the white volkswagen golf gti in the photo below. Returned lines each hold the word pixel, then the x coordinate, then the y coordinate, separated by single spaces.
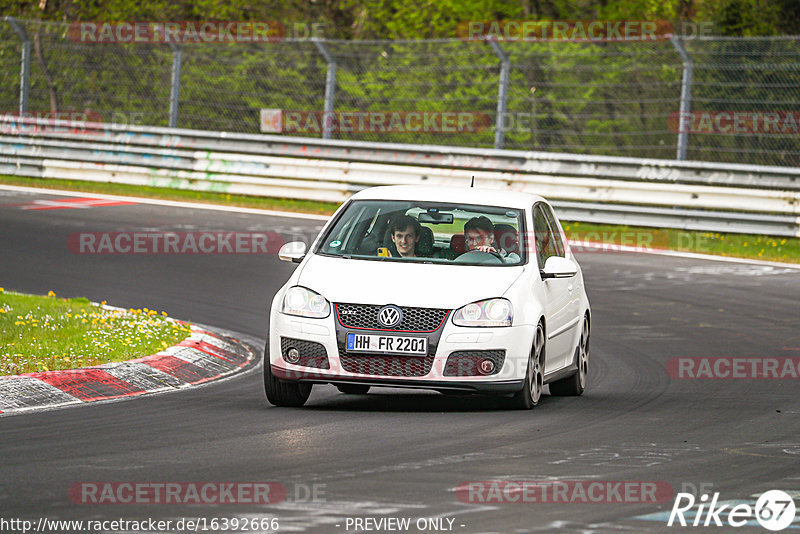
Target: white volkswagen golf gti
pixel 459 290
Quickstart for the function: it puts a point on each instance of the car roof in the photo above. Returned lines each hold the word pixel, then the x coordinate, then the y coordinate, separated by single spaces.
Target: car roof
pixel 465 195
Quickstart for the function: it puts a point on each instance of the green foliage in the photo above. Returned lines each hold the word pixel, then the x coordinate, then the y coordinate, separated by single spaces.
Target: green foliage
pixel 417 19
pixel 45 333
pixel 604 98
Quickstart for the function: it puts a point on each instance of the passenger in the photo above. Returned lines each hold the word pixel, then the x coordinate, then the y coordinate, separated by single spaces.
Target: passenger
pixel 479 235
pixel 405 231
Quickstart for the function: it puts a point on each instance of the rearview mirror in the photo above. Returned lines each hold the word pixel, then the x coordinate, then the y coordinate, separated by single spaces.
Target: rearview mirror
pixel 435 217
pixel 558 267
pixel 294 251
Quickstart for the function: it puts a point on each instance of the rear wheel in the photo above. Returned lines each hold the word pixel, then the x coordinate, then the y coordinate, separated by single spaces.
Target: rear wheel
pixel 353 389
pixel 280 393
pixel 531 392
pixel 574 385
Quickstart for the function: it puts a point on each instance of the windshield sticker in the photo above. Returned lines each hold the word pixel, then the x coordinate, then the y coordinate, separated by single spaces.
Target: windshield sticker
pixel 335 244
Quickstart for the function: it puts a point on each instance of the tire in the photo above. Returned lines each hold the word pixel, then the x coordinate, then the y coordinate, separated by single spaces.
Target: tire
pixel 574 385
pixel 353 389
pixel 280 393
pixel 530 394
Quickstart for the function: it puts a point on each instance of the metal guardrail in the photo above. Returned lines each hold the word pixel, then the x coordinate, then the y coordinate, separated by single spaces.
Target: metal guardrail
pixel 644 192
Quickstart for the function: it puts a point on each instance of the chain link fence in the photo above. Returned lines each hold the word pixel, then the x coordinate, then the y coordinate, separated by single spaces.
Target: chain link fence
pixel 741 96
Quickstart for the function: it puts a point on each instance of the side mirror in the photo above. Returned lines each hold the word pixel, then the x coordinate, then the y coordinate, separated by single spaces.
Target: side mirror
pixel 558 267
pixel 294 251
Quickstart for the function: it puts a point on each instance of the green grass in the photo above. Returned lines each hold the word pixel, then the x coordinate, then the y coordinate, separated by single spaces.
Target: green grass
pixel 732 245
pixel 46 333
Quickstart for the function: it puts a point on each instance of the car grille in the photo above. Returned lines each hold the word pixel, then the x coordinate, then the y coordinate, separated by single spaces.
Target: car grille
pixel 311 354
pixel 365 316
pixel 465 362
pixel 379 365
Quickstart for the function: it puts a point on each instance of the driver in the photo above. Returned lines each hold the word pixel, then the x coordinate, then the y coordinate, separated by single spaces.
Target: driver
pixel 479 235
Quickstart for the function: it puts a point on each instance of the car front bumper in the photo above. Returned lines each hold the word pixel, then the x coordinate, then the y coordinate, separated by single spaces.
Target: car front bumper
pixel 435 373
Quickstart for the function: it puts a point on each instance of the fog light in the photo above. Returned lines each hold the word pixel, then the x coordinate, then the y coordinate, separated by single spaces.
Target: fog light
pixel 486 367
pixel 292 355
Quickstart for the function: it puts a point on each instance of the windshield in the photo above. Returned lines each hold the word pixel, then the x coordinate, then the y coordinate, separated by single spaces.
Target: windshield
pixel 430 232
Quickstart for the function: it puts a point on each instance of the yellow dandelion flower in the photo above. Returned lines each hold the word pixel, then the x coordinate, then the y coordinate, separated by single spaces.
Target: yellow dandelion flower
pixel 51 293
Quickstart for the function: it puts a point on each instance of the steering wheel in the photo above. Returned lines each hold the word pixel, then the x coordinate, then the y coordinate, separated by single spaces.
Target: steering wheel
pixel 479 256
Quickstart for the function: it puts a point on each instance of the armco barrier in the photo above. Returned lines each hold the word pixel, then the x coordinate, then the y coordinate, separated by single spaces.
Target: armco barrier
pixel 646 192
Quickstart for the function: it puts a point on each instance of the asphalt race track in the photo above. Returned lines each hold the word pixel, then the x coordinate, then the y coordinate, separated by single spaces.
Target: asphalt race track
pixel 397 453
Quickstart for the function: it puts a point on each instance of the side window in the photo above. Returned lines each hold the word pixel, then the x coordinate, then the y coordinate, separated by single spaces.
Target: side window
pixel 555 227
pixel 545 241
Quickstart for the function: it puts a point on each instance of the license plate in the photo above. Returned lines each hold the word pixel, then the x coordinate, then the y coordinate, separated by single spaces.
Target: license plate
pixel 383 344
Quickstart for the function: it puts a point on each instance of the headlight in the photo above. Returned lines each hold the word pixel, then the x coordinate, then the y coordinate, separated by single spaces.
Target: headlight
pixel 305 303
pixel 492 312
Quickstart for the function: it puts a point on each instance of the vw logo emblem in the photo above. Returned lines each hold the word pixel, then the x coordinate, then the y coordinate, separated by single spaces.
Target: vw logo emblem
pixel 390 316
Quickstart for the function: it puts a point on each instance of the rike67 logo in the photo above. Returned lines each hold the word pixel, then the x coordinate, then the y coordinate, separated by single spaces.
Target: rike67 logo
pixel 774 510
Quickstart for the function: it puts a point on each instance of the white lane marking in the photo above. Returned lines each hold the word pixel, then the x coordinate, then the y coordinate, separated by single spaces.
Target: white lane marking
pixel 744 270
pixel 690 255
pixel 170 203
pixel 567 527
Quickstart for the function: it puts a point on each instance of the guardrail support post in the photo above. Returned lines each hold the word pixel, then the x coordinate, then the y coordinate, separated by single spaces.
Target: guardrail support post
pixel 330 88
pixel 686 97
pixel 25 67
pixel 175 85
pixel 502 95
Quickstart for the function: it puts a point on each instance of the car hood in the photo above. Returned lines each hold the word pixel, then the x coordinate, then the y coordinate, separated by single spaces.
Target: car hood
pixel 404 284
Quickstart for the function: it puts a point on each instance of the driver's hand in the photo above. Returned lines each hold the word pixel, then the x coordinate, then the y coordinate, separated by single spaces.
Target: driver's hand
pixel 486 248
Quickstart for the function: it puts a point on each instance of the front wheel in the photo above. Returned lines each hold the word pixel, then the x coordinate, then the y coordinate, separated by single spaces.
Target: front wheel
pixel 531 392
pixel 279 393
pixel 574 385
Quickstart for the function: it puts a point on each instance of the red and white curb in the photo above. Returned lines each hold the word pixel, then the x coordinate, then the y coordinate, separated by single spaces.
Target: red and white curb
pixel 201 357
